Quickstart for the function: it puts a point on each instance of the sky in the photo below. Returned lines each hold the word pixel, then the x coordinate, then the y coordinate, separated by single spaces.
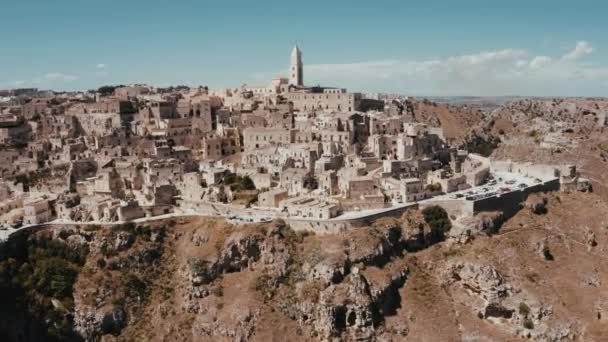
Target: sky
pixel 433 48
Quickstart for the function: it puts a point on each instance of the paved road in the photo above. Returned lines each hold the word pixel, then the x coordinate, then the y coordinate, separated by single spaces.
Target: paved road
pixel 5 234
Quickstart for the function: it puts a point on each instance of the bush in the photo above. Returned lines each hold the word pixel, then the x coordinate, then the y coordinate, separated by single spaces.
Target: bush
pixel 480 145
pixel 312 290
pixel 53 277
pixel 247 183
pixel 524 309
pixel 48 270
pixel 108 89
pixel 101 263
pixel 44 247
pixel 126 227
pixel 134 287
pixel 264 285
pixel 433 187
pixel 92 228
pixel 528 324
pixel 64 234
pixel 439 222
pixel 238 183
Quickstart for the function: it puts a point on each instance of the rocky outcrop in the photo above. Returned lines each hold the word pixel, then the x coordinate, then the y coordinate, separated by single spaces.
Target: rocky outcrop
pixel 354 307
pixel 482 280
pixel 114 287
pixel 267 250
pixel 495 299
pixel 537 204
pixel 92 324
pixel 466 228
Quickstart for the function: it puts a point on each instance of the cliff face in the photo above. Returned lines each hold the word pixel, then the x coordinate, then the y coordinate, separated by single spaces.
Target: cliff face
pixel 558 131
pixel 540 276
pixel 456 120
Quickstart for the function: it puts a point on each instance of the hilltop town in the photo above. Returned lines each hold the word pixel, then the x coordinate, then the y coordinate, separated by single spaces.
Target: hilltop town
pixel 287 212
pixel 322 158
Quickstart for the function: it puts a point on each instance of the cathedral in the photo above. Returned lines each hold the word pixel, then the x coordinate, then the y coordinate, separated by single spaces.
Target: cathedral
pixel 307 98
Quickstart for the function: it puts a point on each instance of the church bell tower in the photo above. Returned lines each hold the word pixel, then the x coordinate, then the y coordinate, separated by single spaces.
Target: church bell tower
pixel 296 71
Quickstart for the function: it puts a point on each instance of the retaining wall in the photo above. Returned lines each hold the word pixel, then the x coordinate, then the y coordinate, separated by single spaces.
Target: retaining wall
pixel 337 225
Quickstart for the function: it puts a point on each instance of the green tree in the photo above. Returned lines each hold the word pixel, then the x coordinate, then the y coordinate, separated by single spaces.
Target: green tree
pixel 108 89
pixel 439 222
pixel 247 183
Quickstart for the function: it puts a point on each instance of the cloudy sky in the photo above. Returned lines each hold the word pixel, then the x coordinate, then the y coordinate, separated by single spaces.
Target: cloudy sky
pixel 467 47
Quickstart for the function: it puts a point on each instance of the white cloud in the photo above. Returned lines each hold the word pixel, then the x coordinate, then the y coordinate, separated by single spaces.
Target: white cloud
pixel 500 72
pixel 53 78
pixel 581 50
pixel 521 63
pixel 57 76
pixel 101 66
pixel 539 62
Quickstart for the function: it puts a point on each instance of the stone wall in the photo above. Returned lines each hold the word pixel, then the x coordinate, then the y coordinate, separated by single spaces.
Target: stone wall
pixel 454 207
pixel 337 225
pixel 510 203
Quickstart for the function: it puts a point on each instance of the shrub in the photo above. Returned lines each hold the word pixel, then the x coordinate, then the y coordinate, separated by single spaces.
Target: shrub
pixel 264 284
pixel 108 89
pixel 144 231
pixel 53 277
pixel 481 145
pixel 238 183
pixel 218 291
pixel 118 301
pixel 64 234
pixel 92 228
pixel 101 263
pixel 126 227
pixel 247 183
pixel 48 270
pixel 524 309
pixel 312 290
pixel 433 187
pixel 134 287
pixel 439 222
pixel 528 324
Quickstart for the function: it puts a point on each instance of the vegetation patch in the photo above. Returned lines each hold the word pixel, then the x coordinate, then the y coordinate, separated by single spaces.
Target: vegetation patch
pixel 481 145
pixel 40 284
pixel 439 221
pixel 239 183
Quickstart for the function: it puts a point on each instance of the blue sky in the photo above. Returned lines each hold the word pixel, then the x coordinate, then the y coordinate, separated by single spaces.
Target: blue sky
pixel 466 47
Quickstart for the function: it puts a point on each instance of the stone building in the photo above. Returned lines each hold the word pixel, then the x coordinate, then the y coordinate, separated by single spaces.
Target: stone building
pixel 277 158
pixel 309 208
pixel 272 198
pixel 412 190
pixel 295 181
pixel 37 211
pixel 254 138
pixel 215 147
pixel 14 130
pixel 323 99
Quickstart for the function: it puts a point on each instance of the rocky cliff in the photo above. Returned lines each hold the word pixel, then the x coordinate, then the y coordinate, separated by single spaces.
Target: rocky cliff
pixel 539 275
